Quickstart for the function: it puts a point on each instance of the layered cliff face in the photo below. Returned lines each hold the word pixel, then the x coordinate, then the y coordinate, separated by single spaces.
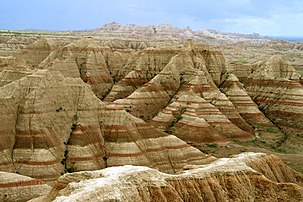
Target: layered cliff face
pixel 247 108
pixel 164 99
pixel 52 124
pixel 129 140
pixel 40 113
pixel 144 82
pixel 246 177
pixel 82 59
pixel 275 86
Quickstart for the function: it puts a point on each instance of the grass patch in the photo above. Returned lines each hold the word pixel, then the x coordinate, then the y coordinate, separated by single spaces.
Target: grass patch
pixel 213 145
pixel 240 61
pixel 272 130
pixel 279 150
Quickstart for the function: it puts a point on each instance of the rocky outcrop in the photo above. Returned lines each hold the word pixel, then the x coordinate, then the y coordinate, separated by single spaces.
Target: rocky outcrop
pixel 36 52
pixel 274 86
pixel 129 140
pixel 138 69
pixel 53 124
pixel 96 103
pixel 281 100
pixel 82 59
pixel 193 69
pixel 193 119
pixel 274 68
pixel 247 108
pixel 15 187
pixel 169 33
pixel 38 113
pixel 12 69
pixel 246 177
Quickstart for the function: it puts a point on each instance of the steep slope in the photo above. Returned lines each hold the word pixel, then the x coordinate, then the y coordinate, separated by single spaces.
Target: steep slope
pixel 129 140
pixel 82 59
pixel 274 85
pixel 38 113
pixel 94 103
pixel 184 71
pixel 139 68
pixel 11 69
pixel 51 124
pixel 36 52
pixel 247 108
pixel 212 125
pixel 223 180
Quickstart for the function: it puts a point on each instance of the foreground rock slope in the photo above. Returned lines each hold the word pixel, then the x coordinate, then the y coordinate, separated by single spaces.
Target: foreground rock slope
pixel 15 187
pixel 246 177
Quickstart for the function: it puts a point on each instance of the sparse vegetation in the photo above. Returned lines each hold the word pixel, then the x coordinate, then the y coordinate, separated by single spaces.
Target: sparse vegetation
pixel 105 94
pixel 240 61
pixel 272 130
pixel 213 145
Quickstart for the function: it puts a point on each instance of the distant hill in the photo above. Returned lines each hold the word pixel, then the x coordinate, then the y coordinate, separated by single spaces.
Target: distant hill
pixel 167 31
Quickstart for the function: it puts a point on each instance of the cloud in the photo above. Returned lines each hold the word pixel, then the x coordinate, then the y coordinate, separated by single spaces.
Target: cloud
pixel 243 21
pixel 268 17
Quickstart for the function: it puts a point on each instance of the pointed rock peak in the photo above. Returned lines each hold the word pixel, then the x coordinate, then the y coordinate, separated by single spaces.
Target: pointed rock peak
pixel 275 67
pixel 278 61
pixel 190 96
pixel 189 44
pixel 232 77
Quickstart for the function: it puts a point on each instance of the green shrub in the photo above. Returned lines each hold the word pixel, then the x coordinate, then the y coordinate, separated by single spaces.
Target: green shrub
pixel 213 145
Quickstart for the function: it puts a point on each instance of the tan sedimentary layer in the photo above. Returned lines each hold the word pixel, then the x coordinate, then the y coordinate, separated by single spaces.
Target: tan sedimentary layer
pixel 244 177
pixel 274 85
pixel 52 124
pixel 15 187
pixel 130 140
pixel 247 108
pixel 82 59
pixel 38 113
pixel 191 113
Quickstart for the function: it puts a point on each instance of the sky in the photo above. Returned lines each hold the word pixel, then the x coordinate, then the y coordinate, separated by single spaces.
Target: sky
pixel 266 17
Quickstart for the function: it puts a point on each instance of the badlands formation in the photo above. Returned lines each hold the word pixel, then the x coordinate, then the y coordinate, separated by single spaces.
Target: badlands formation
pixel 93 116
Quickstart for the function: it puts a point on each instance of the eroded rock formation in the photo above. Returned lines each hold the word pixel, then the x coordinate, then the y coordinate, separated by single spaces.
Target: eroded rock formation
pixel 54 124
pixel 246 177
pixel 275 86
pixel 90 103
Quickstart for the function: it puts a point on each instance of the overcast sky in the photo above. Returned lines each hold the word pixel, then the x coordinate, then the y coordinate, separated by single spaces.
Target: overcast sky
pixel 267 17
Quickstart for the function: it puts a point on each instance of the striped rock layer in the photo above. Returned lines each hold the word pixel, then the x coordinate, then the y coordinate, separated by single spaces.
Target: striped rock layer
pixel 154 100
pixel 130 140
pixel 246 177
pixel 15 187
pixel 247 108
pixel 275 87
pixel 51 124
pixel 38 115
pixel 191 69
